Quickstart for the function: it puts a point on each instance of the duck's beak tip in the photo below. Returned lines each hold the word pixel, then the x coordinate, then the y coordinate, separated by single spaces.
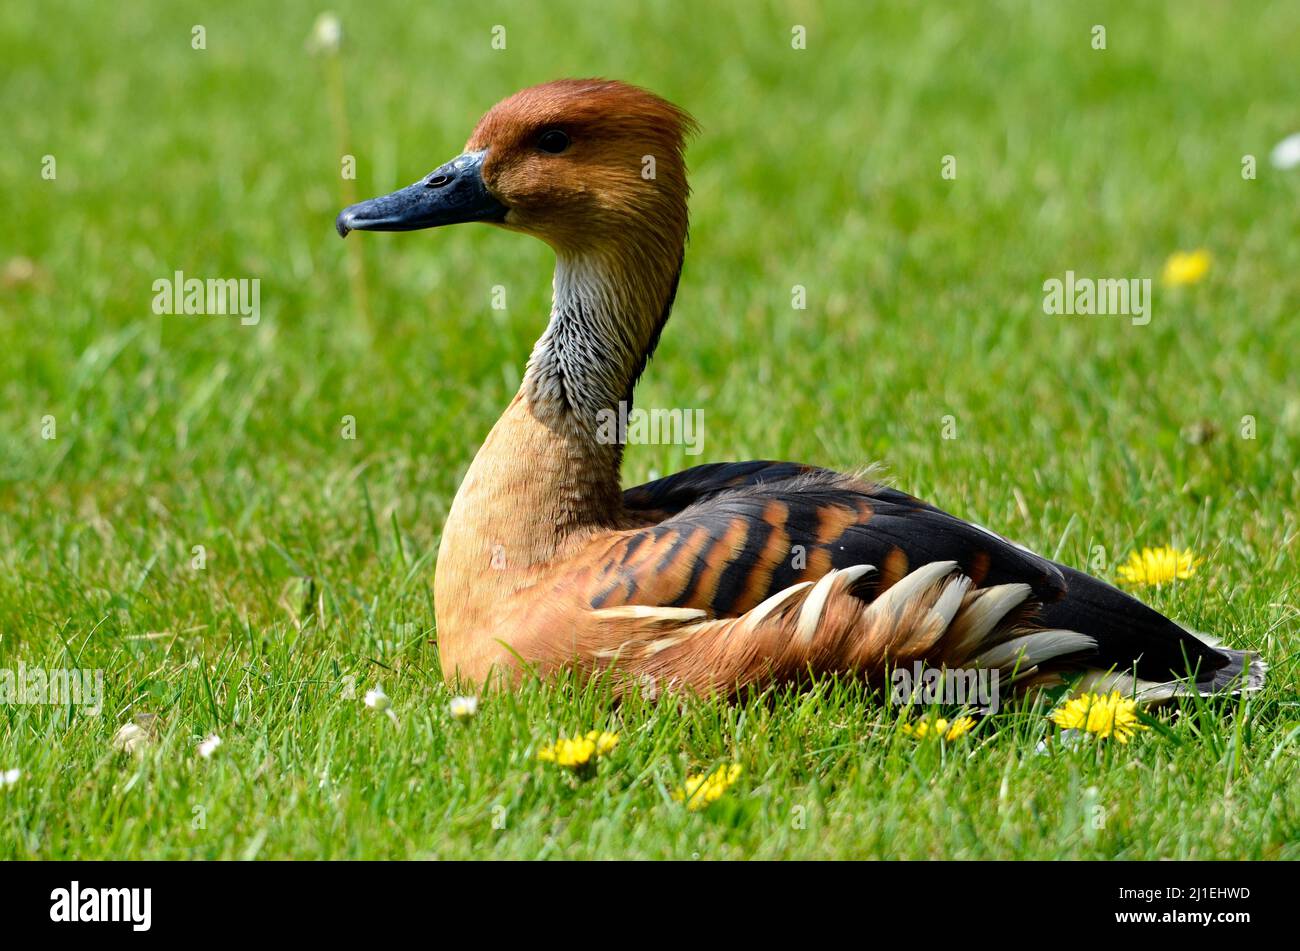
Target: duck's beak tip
pixel 451 194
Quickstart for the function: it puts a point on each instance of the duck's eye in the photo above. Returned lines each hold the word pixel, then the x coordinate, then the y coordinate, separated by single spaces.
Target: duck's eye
pixel 553 141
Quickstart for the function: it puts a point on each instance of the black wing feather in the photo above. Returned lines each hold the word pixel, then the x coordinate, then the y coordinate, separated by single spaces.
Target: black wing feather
pixel 1130 636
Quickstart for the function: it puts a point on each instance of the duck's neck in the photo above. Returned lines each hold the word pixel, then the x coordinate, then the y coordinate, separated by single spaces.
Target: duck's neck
pixel 545 479
pixel 606 315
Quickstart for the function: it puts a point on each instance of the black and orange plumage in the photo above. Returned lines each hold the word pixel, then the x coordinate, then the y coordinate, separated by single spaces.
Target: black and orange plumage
pixel 724 575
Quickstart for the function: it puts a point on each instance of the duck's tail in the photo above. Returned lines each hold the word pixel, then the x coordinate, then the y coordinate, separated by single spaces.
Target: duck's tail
pixel 1142 653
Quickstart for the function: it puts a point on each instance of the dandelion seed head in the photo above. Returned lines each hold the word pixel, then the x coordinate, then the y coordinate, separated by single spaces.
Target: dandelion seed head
pixel 1286 154
pixel 131 738
pixel 326 34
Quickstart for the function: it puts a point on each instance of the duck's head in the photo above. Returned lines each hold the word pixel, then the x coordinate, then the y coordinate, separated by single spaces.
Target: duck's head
pixel 580 163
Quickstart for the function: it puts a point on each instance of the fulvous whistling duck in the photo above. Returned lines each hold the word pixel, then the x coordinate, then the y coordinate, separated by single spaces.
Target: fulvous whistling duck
pixel 691 581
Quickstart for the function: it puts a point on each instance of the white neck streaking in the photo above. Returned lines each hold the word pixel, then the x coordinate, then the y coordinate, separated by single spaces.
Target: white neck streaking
pixel 604 317
pixel 579 364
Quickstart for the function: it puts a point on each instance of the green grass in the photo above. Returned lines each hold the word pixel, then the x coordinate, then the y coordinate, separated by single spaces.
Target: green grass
pixel 817 167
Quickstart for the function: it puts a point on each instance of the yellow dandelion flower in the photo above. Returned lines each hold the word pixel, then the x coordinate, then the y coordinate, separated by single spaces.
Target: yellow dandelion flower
pixel 579 752
pixel 940 728
pixel 1186 267
pixel 703 789
pixel 1105 715
pixel 1158 566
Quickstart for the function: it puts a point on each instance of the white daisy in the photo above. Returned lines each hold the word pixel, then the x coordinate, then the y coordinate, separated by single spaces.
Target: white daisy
pixel 462 708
